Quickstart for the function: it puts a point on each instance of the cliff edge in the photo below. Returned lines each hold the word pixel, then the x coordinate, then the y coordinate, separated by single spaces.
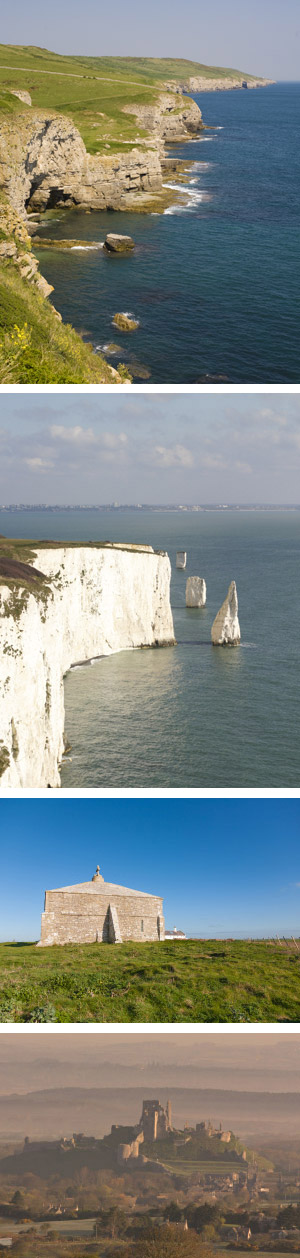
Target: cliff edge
pixel 61 605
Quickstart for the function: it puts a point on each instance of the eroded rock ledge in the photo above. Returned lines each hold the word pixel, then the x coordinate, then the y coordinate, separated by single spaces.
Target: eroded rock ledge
pixel 73 603
pixel 44 162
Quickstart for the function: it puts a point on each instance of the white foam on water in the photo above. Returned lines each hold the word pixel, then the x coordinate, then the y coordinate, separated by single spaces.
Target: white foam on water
pixel 177 187
pixel 202 165
pixel 86 248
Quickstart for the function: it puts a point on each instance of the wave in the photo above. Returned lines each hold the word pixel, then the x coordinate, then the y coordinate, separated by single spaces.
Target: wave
pixel 177 187
pixel 86 248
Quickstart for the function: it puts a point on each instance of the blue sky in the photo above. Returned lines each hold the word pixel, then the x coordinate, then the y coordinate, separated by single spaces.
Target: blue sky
pixel 150 447
pixel 222 866
pixel 259 38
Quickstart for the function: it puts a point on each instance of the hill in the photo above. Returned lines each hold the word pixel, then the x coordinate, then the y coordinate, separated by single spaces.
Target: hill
pixel 94 91
pixel 210 1149
pixel 190 981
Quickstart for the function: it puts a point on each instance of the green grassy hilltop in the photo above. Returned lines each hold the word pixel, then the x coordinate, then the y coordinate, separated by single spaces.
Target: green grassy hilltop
pixel 94 91
pixel 190 981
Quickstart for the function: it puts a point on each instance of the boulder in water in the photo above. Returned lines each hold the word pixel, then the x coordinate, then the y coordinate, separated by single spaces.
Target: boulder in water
pixel 195 592
pixel 118 244
pixel 226 630
pixel 124 322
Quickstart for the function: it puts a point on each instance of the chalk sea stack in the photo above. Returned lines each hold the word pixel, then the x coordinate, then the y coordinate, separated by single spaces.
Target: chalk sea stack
pixel 226 630
pixel 181 559
pixel 195 592
pixel 118 244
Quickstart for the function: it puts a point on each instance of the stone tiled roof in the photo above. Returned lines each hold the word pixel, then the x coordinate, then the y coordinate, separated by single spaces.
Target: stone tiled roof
pixel 99 887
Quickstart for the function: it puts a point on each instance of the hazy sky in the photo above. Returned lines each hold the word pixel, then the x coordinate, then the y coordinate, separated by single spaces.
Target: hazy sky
pixel 211 887
pixel 259 38
pixel 253 1062
pixel 91 448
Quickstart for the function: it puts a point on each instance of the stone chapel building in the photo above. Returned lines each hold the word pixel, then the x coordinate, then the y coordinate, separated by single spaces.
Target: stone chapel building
pixel 100 912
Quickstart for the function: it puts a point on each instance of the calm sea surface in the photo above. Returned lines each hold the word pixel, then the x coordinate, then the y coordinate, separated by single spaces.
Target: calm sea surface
pixel 215 286
pixel 192 715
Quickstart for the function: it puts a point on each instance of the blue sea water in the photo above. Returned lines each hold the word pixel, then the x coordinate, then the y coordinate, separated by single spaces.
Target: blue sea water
pixel 215 286
pixel 192 715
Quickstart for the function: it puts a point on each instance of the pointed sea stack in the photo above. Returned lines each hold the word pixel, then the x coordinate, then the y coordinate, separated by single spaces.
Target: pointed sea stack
pixel 226 630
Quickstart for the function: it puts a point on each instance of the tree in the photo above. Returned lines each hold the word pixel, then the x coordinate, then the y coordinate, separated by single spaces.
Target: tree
pixel 170 1241
pixel 18 1199
pixel 173 1212
pixel 114 1221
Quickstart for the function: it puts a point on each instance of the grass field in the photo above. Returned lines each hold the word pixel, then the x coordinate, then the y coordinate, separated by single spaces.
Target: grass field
pixel 93 91
pixel 191 981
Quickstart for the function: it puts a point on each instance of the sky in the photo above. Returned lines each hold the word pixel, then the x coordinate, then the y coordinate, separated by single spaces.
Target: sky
pixel 81 448
pixel 259 38
pixel 254 1062
pixel 223 866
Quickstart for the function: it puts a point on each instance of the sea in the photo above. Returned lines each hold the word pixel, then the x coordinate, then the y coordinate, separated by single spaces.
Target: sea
pixel 191 715
pixel 213 285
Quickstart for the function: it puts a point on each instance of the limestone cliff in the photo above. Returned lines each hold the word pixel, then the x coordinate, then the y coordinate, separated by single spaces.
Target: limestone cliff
pixel 170 119
pixel 68 605
pixel 218 83
pixel 44 162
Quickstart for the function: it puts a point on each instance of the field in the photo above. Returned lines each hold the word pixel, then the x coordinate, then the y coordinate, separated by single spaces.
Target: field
pixel 94 91
pixel 190 981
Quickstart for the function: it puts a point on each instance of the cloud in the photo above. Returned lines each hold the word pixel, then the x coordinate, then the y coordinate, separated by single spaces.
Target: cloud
pixel 79 436
pixel 75 436
pixel 40 465
pixel 173 456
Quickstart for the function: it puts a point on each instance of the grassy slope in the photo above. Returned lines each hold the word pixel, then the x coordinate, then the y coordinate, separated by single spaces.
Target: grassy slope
pixel 85 88
pixel 176 982
pixel 46 350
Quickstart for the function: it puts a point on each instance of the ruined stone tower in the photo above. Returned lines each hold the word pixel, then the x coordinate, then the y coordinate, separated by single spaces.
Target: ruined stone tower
pixel 155 1121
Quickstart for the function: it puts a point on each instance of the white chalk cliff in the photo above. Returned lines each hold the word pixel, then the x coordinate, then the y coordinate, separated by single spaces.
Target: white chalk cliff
pixel 195 592
pixel 226 630
pixel 97 600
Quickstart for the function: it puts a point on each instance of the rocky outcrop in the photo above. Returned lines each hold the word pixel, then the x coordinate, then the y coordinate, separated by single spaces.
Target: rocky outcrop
pixel 16 249
pixel 125 323
pixel 170 119
pixel 23 96
pixel 226 630
pixel 195 592
pixel 115 243
pixel 76 603
pixel 43 162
